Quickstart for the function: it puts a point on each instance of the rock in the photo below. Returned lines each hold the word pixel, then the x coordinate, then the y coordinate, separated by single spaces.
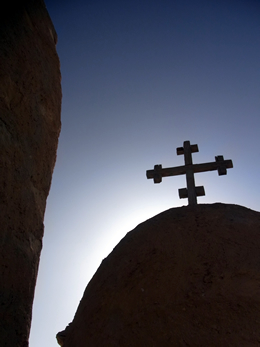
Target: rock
pixel 61 336
pixel 186 277
pixel 30 103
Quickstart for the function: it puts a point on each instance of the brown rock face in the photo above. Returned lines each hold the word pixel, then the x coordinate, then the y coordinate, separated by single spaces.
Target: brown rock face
pixel 189 276
pixel 30 100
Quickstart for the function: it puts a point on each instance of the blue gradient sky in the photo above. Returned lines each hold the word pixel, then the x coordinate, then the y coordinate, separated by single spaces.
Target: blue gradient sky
pixel 139 78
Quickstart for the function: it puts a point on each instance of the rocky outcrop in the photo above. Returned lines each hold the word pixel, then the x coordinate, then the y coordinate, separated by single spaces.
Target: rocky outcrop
pixel 186 277
pixel 30 101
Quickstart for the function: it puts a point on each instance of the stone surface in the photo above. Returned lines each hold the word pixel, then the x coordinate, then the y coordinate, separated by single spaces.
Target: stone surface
pixel 189 276
pixel 30 102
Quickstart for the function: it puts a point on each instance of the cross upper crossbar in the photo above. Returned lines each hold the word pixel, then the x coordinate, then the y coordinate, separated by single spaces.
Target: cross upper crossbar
pixel 191 192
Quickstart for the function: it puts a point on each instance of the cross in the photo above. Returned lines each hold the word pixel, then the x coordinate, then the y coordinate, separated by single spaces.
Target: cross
pixel 191 192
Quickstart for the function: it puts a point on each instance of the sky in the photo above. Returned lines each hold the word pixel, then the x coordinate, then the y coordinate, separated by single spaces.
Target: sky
pixel 138 79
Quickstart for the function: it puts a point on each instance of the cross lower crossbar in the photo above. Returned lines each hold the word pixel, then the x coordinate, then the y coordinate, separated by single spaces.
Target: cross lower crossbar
pixel 181 170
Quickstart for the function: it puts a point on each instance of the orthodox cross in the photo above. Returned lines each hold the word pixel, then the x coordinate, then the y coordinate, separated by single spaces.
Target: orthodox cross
pixel 191 192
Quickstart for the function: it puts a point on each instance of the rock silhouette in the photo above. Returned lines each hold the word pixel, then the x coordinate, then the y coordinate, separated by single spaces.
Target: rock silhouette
pixel 186 277
pixel 30 103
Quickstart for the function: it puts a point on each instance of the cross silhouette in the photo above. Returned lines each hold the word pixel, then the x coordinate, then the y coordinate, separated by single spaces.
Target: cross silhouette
pixel 191 192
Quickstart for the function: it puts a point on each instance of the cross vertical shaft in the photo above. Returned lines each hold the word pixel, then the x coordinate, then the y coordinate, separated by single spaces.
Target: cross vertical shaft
pixel 192 198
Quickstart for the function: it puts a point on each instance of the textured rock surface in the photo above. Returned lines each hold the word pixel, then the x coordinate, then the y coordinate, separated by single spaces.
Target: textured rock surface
pixel 30 100
pixel 190 276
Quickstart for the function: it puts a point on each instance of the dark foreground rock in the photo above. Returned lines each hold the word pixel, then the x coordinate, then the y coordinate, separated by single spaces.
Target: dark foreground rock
pixel 189 276
pixel 30 101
